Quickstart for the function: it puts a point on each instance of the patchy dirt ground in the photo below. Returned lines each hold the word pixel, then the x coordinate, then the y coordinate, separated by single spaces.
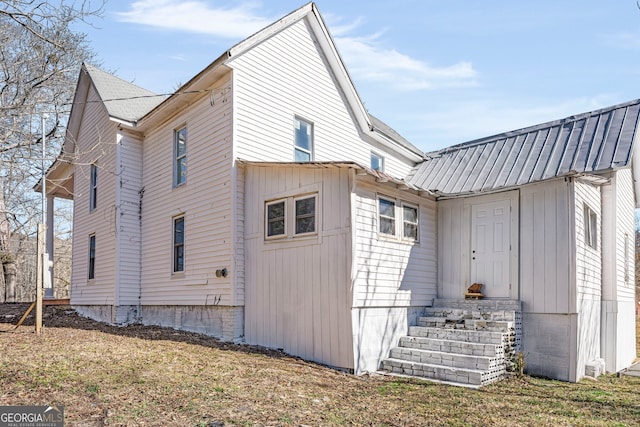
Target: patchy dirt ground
pixel 151 376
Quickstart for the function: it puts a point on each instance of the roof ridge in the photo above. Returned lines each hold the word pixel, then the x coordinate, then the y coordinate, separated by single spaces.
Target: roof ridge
pixel 92 69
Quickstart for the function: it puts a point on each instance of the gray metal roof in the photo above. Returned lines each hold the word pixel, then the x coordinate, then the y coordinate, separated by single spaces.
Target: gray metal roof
pixel 123 100
pixel 592 142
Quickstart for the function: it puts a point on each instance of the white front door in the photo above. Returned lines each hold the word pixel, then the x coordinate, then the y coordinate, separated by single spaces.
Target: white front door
pixel 491 247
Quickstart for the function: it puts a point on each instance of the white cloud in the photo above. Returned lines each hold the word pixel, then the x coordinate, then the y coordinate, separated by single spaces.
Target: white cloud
pixel 366 58
pixel 368 61
pixel 196 16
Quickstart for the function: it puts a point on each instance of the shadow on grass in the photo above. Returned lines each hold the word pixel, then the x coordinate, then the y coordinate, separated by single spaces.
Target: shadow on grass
pixel 66 317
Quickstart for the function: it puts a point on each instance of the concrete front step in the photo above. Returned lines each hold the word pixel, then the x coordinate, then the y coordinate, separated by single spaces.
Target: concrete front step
pixel 450 346
pixel 461 376
pixel 473 324
pixel 444 359
pixel 464 335
pixel 471 313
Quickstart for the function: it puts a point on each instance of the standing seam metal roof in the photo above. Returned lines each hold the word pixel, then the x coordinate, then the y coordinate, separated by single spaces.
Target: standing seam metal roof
pixel 592 142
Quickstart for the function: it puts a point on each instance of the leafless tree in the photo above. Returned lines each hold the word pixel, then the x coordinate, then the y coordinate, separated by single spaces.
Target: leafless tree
pixel 40 57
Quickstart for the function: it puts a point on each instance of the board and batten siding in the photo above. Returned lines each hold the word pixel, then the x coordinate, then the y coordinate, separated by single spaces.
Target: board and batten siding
pixel 95 143
pixel 547 285
pixel 205 200
pixel 297 290
pixel 128 238
pixel 393 279
pixel 287 76
pixel 588 277
pixel 545 248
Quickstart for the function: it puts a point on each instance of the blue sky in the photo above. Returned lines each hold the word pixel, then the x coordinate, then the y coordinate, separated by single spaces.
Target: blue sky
pixel 439 72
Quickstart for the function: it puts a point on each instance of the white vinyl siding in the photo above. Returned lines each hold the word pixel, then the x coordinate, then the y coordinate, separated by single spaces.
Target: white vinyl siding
pixel 96 143
pixel 284 77
pixel 393 271
pixel 297 292
pixel 588 284
pixel 207 201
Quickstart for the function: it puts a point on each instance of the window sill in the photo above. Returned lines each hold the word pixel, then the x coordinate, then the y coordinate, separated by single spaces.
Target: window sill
pixel 177 275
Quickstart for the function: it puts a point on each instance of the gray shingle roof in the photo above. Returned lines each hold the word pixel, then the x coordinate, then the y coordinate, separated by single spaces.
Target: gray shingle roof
pixel 592 142
pixel 123 100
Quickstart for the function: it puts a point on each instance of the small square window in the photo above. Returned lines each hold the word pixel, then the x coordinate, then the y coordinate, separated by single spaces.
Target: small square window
pixel 276 218
pixel 377 162
pixel 92 257
pixel 180 157
pixel 410 222
pixel 303 143
pixel 178 244
pixel 305 215
pixel 387 216
pixel 590 227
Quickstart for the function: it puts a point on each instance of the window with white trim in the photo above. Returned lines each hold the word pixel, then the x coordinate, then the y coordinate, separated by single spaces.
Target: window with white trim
pixel 180 156
pixel 410 222
pixel 290 217
pixel 398 219
pixel 305 208
pixel 377 162
pixel 92 257
pixel 590 227
pixel 276 218
pixel 303 140
pixel 178 244
pixel 387 216
pixel 627 256
pixel 93 187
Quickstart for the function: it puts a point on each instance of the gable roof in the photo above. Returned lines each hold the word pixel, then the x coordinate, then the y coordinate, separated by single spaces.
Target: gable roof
pixel 123 100
pixel 368 124
pixel 589 143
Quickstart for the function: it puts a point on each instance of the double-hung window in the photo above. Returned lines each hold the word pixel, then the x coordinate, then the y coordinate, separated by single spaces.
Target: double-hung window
pixel 180 157
pixel 303 140
pixel 178 244
pixel 409 222
pixel 92 257
pixel 387 216
pixel 590 227
pixel 93 187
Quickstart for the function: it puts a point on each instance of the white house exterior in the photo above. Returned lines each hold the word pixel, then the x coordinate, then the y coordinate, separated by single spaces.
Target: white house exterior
pixel 262 203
